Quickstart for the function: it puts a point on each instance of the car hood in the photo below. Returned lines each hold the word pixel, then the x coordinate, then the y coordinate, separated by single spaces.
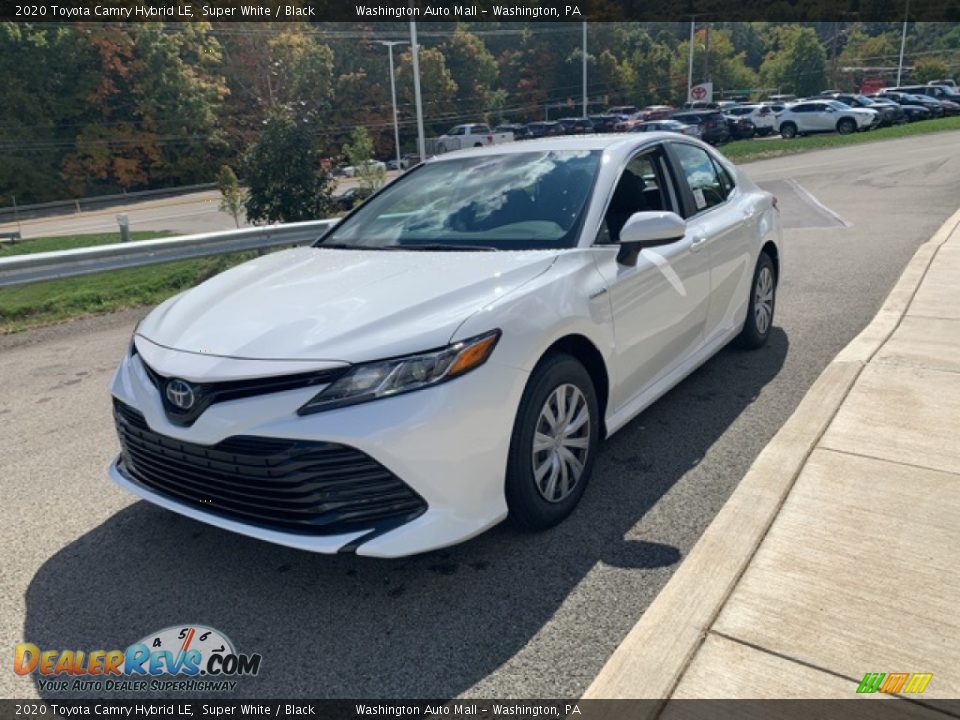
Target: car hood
pixel 340 305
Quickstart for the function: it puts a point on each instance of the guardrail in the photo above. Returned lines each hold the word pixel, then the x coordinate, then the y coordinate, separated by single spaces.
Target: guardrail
pixel 39 267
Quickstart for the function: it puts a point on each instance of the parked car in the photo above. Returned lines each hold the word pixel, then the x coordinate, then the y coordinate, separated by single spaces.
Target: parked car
pixel 934 106
pixel 350 198
pixel 544 128
pixel 520 132
pixel 741 128
pixel 937 92
pixel 628 123
pixel 889 114
pixel 470 135
pixel 351 171
pixel 624 111
pixel 913 112
pixel 604 123
pixel 712 123
pixel 949 82
pixel 657 112
pixel 762 116
pixel 812 116
pixel 667 126
pixel 576 126
pixel 339 398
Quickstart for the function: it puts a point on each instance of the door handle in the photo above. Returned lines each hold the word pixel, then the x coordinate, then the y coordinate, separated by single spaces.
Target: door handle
pixel 697 244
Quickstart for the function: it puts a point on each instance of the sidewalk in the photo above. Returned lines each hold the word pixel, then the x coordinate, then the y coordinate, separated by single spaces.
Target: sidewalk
pixel 839 552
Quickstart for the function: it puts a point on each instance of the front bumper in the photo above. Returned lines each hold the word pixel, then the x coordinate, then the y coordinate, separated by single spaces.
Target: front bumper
pixel 448 443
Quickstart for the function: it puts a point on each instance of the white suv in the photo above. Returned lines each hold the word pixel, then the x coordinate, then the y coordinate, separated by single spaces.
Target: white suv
pixel 762 116
pixel 824 116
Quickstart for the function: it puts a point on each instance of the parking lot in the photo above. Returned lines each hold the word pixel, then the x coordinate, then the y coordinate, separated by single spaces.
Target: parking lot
pixel 506 614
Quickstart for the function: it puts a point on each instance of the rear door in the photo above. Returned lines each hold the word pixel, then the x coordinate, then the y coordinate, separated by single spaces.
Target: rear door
pixel 722 223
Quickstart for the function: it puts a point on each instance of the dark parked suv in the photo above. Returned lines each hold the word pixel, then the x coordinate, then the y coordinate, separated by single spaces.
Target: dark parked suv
pixel 713 125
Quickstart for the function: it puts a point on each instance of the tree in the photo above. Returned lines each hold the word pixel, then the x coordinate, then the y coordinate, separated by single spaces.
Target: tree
pixel 437 87
pixel 928 69
pixel 473 68
pixel 796 61
pixel 231 195
pixel 286 181
pixel 359 153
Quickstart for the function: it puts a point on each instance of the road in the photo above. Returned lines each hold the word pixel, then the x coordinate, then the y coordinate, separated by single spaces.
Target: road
pixel 184 215
pixel 506 614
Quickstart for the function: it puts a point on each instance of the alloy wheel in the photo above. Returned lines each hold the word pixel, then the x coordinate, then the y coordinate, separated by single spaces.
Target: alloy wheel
pixel 561 442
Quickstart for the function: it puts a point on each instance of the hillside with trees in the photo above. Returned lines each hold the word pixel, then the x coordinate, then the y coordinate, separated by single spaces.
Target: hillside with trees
pixel 99 108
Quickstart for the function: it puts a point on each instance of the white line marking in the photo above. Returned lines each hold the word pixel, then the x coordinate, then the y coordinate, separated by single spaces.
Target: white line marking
pixel 809 197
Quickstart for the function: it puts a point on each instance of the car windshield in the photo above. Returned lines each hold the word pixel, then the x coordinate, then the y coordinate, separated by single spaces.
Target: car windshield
pixel 511 201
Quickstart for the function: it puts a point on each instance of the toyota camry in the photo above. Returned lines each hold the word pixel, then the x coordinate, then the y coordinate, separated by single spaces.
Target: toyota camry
pixel 452 352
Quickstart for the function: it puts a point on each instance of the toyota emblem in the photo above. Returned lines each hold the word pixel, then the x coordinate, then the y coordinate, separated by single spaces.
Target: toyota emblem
pixel 180 394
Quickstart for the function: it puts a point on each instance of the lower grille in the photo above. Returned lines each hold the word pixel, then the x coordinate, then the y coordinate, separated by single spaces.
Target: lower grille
pixel 296 486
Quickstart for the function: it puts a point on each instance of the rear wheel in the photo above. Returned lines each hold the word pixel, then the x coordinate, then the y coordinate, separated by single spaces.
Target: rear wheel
pixel 554 443
pixel 788 130
pixel 763 299
pixel 846 126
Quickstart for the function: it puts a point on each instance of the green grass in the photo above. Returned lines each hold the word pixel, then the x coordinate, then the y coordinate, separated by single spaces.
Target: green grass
pixel 744 150
pixel 28 306
pixel 68 242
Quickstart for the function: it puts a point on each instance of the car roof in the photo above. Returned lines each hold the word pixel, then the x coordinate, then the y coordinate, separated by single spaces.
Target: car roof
pixel 615 143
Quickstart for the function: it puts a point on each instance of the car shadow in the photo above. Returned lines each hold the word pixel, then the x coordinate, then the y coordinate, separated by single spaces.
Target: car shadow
pixel 434 625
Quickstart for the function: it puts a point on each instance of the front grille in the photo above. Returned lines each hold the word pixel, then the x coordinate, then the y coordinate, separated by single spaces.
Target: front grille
pixel 207 394
pixel 296 486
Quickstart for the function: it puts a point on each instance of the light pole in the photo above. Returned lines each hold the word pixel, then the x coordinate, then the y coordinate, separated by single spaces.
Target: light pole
pixel 415 53
pixel 693 26
pixel 393 95
pixel 584 69
pixel 903 42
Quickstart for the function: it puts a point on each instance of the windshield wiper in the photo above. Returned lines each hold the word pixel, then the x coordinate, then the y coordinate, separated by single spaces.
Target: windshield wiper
pixel 442 247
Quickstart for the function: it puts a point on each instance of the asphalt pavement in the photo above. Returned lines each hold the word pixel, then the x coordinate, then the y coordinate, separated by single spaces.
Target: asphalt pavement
pixel 507 614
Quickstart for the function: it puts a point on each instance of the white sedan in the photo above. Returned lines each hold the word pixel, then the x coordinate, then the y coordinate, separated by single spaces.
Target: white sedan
pixel 452 352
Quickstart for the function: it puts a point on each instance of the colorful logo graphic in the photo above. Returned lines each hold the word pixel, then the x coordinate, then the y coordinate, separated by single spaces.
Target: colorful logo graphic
pixel 895 682
pixel 191 651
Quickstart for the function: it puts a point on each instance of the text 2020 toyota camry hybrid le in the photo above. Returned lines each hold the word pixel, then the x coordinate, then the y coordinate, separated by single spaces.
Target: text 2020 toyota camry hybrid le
pixel 453 351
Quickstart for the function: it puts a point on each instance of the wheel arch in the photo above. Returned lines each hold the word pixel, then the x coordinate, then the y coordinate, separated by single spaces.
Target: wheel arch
pixel 584 350
pixel 770 248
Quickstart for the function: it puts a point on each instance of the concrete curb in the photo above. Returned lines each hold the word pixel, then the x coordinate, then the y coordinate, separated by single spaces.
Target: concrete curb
pixel 652 658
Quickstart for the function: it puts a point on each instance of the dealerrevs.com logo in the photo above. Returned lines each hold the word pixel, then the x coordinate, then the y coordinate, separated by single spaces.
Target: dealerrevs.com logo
pixel 185 658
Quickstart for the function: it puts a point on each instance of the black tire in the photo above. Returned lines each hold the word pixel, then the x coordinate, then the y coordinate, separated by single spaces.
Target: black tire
pixel 755 332
pixel 788 130
pixel 846 126
pixel 529 509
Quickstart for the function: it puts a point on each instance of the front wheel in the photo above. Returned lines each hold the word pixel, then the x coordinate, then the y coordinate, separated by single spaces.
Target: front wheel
pixel 788 131
pixel 553 445
pixel 846 126
pixel 763 300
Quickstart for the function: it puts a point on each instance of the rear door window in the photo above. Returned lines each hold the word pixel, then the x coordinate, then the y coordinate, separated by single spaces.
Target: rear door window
pixel 699 172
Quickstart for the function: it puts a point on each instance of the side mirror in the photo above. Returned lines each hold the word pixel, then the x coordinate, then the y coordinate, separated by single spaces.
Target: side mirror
pixel 648 229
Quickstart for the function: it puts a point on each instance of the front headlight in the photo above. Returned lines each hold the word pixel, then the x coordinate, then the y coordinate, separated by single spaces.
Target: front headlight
pixel 384 378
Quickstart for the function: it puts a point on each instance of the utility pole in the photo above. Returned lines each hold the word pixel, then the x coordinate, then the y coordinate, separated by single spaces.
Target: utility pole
pixel 693 27
pixel 903 42
pixel 584 69
pixel 415 52
pixel 393 95
pixel 706 52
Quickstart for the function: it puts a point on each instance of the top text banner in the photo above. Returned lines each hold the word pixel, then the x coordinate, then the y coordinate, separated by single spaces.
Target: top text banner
pixel 354 11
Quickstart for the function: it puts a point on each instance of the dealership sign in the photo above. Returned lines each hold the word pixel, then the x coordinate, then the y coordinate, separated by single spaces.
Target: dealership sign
pixel 701 93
